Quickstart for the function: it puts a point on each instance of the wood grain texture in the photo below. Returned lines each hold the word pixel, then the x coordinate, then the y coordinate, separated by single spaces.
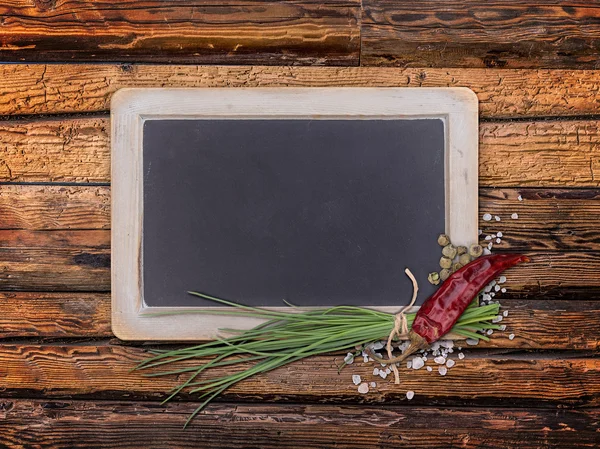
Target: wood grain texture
pixel 476 33
pixel 538 324
pixel 51 424
pixel 244 32
pixel 548 219
pixel 54 207
pixel 103 372
pixel 533 153
pixel 63 88
pixel 54 315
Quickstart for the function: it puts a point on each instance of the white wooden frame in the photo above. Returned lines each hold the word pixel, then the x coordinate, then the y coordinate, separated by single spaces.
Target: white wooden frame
pixel 130 107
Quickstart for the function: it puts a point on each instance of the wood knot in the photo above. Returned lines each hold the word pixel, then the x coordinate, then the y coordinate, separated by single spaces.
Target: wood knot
pixel 44 5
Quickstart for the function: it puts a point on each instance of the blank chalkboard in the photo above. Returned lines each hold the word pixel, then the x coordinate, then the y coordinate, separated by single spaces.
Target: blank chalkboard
pixel 319 212
pixel 319 197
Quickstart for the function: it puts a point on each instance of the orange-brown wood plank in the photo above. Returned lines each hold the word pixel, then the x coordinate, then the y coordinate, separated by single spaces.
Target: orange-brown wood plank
pixel 103 372
pixel 62 88
pixel 54 315
pixel 479 33
pixel 537 324
pixel 533 153
pixel 243 32
pixel 51 424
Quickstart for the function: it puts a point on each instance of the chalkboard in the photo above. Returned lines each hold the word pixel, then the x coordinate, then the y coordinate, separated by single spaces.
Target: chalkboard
pixel 316 196
pixel 319 212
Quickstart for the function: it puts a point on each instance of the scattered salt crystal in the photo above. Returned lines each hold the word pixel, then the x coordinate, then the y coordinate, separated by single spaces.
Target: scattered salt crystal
pixel 511 337
pixel 450 363
pixel 520 198
pixel 498 241
pixel 502 280
pixel 435 346
pixel 490 331
pixel 349 359
pixel 499 234
pixel 503 327
pixel 373 384
pixel 505 313
pixel 450 350
pixel 424 358
pixel 417 363
pixel 488 237
pixel 490 245
pixel 365 358
pixel 410 395
pixel 388 370
pixel 496 319
pixel 461 355
pixel 377 346
pixel 439 360
pixel 479 232
pixel 363 388
pixel 497 218
pixel 375 371
pixel 459 348
pixel 492 294
pixel 487 288
pixel 443 370
pixel 409 364
pixel 486 252
pixel 514 216
pixel 472 341
pixel 493 236
pixel 429 368
pixel 487 217
pixel 503 290
pixel 448 344
pixel 383 374
pixel 496 288
pixel 493 283
pixel 356 379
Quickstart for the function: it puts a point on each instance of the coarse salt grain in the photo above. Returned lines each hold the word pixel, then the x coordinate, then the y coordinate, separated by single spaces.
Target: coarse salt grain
pixel 349 359
pixel 487 217
pixel 373 384
pixel 515 216
pixel 486 252
pixel 505 313
pixel 490 245
pixel 497 218
pixel 365 358
pixel 472 341
pixel 388 370
pixel 418 363
pixel 498 241
pixel 488 237
pixel 503 327
pixel 375 371
pixel 502 280
pixel 383 374
pixel 410 395
pixel 363 388
pixel 503 290
pixel 409 364
pixel 490 331
pixel 461 355
pixel 450 363
pixel 520 198
pixel 443 370
pixel 499 234
pixel 511 337
pixel 439 360
pixel 377 346
pixel 356 379
pixel 429 368
pixel 479 232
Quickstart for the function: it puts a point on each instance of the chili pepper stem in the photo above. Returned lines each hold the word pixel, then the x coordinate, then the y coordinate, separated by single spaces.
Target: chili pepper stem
pixel 416 344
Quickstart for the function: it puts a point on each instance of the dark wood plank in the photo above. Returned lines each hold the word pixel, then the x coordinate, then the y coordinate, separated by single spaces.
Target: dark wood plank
pixel 242 32
pixel 478 33
pixel 548 219
pixel 103 372
pixel 533 153
pixel 537 324
pixel 77 424
pixel 54 315
pixel 62 88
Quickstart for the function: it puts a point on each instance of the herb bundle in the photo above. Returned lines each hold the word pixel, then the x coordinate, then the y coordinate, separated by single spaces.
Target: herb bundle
pixel 286 337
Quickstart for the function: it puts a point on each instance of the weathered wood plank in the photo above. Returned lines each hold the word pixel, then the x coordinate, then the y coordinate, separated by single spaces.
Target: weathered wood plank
pixel 557 219
pixel 62 88
pixel 79 424
pixel 476 33
pixel 244 32
pixel 539 324
pixel 54 207
pixel 103 372
pixel 532 153
pixel 54 315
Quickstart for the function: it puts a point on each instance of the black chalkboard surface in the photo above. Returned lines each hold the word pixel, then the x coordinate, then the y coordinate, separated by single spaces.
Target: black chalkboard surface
pixel 317 212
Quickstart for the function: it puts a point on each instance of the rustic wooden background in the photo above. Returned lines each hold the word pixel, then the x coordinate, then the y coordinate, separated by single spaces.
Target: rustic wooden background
pixel 64 379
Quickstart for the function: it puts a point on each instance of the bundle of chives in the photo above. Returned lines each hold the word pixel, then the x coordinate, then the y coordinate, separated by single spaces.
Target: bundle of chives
pixel 286 337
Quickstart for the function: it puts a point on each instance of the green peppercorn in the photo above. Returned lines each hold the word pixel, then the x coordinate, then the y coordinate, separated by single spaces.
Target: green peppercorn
pixel 449 251
pixel 461 250
pixel 445 262
pixel 464 259
pixel 433 278
pixel 443 240
pixel 475 250
pixel 445 274
pixel 457 266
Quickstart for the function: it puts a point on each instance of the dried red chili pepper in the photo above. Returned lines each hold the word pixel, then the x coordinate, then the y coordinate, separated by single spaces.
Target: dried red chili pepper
pixel 442 310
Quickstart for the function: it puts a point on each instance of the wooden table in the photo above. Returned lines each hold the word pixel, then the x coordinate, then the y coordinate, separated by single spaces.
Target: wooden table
pixel 65 380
